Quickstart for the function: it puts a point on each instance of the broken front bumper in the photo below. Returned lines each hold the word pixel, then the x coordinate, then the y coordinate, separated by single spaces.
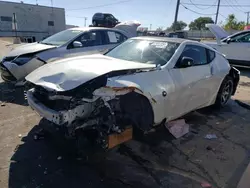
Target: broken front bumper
pixel 58 117
pixel 42 110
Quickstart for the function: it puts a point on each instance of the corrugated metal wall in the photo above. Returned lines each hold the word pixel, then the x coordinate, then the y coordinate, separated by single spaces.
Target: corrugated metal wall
pixel 32 20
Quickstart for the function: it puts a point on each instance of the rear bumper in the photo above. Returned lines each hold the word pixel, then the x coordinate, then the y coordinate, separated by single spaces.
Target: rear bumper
pixel 235 74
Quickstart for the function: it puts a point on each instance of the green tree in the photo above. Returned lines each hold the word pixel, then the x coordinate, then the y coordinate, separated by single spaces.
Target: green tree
pixel 233 23
pixel 200 23
pixel 180 25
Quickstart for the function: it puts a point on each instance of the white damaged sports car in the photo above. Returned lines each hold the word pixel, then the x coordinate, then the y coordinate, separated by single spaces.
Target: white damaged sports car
pixel 144 82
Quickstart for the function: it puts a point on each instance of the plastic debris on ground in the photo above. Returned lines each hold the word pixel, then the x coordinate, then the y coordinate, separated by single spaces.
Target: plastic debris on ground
pixel 211 136
pixel 206 185
pixel 177 128
pixel 59 158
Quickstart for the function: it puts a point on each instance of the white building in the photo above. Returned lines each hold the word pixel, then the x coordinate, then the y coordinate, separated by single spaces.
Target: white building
pixel 33 22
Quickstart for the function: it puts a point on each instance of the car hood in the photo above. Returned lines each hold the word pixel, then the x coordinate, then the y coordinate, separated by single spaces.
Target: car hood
pixel 67 74
pixel 218 31
pixel 29 48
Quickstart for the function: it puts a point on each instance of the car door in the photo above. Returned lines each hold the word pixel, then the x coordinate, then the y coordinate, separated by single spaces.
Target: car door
pixel 92 42
pixel 238 48
pixel 114 38
pixel 191 83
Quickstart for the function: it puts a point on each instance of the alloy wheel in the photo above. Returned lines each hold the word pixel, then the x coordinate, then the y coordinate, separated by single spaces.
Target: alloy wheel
pixel 226 92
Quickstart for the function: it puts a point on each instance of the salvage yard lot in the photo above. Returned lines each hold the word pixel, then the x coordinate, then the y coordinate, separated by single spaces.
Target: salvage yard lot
pixel 155 160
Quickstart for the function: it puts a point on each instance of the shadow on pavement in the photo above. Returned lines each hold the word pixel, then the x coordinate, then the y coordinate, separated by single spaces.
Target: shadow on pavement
pixel 35 163
pixel 11 94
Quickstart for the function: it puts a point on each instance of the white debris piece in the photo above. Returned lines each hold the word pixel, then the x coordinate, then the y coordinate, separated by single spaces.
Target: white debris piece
pixel 210 136
pixel 20 135
pixel 177 128
pixel 59 158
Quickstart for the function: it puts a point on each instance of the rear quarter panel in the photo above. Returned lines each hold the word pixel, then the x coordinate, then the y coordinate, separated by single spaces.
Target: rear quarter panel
pixel 219 69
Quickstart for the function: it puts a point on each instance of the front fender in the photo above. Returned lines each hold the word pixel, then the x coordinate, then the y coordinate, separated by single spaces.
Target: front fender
pixel 121 87
pixel 151 84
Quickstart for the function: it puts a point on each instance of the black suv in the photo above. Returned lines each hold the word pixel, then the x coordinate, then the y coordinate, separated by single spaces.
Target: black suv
pixel 104 19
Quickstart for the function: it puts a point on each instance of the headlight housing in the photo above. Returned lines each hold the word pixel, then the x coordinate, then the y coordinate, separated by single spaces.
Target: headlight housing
pixel 6 58
pixel 21 60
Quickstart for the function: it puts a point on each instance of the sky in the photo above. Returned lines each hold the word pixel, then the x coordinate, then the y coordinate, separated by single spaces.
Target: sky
pixel 157 13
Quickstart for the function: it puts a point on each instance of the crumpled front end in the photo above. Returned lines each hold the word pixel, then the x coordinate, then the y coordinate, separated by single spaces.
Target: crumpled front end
pixel 92 107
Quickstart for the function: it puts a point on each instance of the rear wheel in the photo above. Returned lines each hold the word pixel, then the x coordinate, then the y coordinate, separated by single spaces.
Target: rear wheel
pixel 225 92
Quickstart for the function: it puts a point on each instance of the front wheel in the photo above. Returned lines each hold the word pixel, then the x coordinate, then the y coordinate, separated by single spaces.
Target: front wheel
pixel 225 92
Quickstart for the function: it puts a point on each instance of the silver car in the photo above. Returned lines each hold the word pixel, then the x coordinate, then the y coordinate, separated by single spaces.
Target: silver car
pixel 71 42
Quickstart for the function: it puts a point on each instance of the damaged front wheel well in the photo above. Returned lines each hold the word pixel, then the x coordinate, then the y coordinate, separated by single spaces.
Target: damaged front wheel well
pixel 139 110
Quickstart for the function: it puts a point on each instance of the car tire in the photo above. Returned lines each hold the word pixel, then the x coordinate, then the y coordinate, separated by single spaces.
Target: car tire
pixel 225 92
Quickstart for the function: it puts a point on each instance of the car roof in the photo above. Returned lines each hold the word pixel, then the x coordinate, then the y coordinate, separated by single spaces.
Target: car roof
pixel 102 13
pixel 244 31
pixel 93 28
pixel 165 39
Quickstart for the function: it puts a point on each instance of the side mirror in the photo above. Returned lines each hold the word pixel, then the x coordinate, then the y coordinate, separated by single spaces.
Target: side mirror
pixel 186 62
pixel 77 44
pixel 228 40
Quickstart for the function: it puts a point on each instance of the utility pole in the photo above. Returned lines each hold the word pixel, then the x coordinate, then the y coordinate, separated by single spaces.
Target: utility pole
pixel 14 26
pixel 247 17
pixel 85 19
pixel 176 13
pixel 217 12
pixel 52 15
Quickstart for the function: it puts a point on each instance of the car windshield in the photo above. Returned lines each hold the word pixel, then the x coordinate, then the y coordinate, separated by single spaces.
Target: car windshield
pixel 145 51
pixel 61 38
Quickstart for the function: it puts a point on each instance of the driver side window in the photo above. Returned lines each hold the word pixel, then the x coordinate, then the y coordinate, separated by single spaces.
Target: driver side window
pixel 88 39
pixel 197 53
pixel 245 37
